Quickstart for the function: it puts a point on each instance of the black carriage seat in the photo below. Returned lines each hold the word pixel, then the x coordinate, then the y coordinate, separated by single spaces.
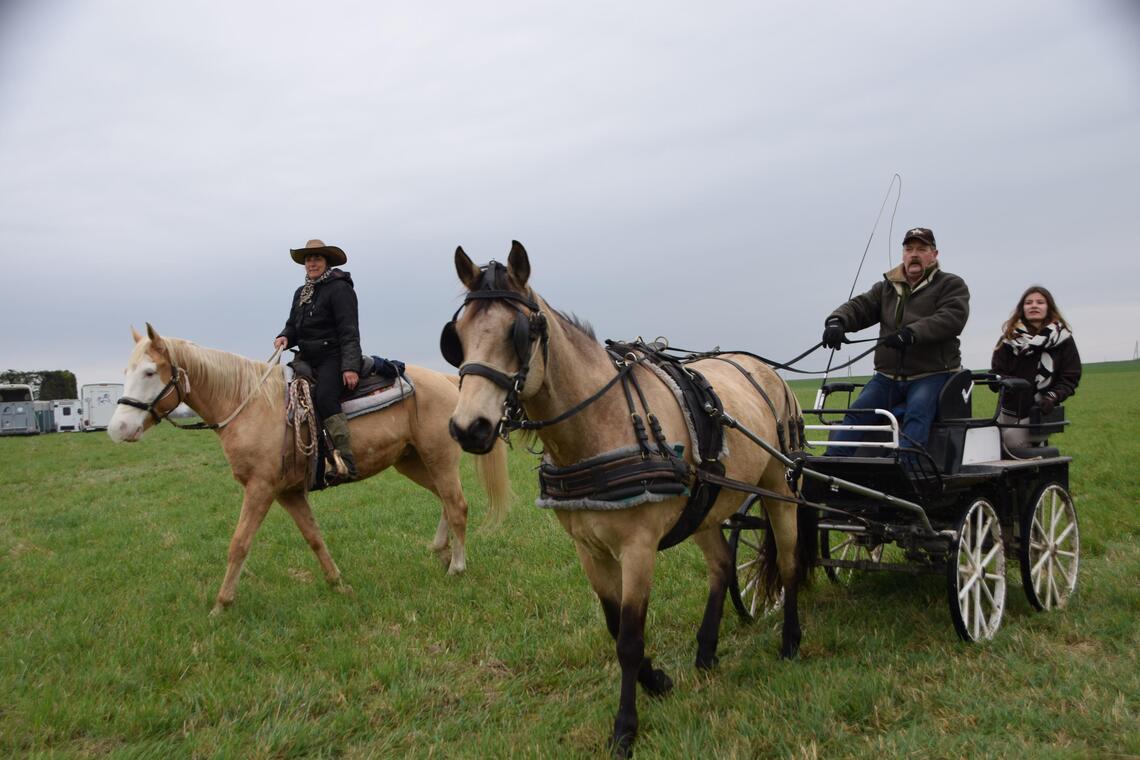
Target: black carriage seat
pixel 947 432
pixel 1041 427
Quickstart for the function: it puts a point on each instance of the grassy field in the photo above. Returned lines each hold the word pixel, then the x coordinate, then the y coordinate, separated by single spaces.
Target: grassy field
pixel 111 555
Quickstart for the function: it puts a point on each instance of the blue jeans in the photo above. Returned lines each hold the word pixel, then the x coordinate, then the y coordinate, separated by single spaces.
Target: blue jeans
pixel 917 400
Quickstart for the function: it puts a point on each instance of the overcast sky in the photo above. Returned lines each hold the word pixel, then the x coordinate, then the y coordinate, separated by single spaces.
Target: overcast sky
pixel 710 172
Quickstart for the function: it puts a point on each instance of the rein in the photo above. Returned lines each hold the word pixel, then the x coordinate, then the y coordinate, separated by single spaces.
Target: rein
pixel 176 375
pixel 788 366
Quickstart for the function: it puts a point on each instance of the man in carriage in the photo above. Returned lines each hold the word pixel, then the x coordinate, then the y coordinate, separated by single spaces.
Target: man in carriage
pixel 921 310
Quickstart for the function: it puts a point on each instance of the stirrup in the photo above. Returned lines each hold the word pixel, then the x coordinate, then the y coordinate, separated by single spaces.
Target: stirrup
pixel 338 473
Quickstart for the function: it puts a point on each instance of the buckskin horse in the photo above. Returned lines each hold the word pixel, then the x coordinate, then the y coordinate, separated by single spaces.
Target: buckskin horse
pixel 411 436
pixel 620 492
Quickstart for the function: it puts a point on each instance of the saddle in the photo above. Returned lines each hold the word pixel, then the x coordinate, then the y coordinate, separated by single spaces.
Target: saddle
pixel 382 383
pixel 376 374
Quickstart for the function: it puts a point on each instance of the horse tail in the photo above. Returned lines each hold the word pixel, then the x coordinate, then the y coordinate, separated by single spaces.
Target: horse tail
pixel 807 554
pixel 807 544
pixel 496 482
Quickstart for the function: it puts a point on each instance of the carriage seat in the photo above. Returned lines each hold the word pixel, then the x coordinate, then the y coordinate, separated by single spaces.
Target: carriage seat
pixel 955 405
pixel 1041 427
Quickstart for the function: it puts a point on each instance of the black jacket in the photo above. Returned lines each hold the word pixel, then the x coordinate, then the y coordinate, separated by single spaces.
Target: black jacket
pixel 935 310
pixel 328 324
pixel 1066 374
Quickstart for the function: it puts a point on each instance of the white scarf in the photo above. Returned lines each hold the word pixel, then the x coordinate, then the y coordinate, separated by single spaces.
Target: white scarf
pixel 1050 336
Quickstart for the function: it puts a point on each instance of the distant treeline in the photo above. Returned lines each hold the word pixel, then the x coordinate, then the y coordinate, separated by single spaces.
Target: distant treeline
pixel 52 383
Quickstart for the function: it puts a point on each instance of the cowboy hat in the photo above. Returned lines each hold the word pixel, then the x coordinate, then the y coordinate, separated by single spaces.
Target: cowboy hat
pixel 333 255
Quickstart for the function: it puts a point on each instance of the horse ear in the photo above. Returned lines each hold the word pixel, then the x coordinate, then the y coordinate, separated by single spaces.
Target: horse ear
pixel 469 274
pixel 156 340
pixel 518 264
pixel 135 334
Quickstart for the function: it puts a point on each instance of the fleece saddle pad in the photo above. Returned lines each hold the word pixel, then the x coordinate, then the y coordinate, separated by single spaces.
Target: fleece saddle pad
pixel 379 398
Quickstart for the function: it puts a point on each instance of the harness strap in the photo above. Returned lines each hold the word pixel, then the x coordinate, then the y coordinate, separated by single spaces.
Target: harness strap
pixel 539 424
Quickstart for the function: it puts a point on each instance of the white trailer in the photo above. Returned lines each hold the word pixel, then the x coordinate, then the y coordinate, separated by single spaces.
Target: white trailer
pixel 99 404
pixel 68 415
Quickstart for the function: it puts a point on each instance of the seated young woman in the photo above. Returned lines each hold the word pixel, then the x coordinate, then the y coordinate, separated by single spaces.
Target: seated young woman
pixel 1036 345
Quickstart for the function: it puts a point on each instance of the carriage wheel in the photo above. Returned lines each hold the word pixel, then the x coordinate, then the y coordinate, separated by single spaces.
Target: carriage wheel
pixel 835 544
pixel 1050 549
pixel 975 573
pixel 746 546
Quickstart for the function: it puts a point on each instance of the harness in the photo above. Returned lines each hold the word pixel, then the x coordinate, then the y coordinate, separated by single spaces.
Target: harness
pixel 653 469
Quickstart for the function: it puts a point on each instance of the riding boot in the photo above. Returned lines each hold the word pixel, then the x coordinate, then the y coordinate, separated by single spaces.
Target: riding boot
pixel 337 425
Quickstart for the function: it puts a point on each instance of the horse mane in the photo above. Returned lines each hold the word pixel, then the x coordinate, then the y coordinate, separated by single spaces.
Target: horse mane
pixel 576 322
pixel 229 374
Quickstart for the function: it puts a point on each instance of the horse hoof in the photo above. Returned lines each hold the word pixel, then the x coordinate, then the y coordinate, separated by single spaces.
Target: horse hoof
pixel 707 662
pixel 789 653
pixel 344 588
pixel 217 610
pixel 657 683
pixel 622 746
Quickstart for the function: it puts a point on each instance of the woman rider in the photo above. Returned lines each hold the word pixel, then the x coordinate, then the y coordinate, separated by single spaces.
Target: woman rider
pixel 323 324
pixel 1037 345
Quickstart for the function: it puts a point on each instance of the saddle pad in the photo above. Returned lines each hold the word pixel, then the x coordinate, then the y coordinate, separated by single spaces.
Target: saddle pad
pixel 381 399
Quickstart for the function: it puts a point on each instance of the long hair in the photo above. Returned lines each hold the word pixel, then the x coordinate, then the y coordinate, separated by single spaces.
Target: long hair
pixel 1018 316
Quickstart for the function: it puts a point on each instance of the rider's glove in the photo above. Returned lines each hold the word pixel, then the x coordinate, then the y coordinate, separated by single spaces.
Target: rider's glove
pixel 833 333
pixel 900 340
pixel 1047 403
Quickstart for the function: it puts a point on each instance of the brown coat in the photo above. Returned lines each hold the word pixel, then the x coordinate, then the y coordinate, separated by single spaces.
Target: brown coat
pixel 935 309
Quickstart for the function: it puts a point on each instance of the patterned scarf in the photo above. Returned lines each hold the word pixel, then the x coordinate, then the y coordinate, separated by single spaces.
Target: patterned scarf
pixel 1050 336
pixel 310 285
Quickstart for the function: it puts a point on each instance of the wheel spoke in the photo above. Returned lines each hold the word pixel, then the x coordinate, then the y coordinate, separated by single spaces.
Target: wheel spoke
pixel 1072 526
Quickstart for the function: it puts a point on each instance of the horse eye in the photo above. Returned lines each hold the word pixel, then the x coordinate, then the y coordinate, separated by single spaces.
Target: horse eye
pixel 150 373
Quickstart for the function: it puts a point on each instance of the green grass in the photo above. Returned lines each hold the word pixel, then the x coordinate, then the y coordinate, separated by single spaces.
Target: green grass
pixel 111 556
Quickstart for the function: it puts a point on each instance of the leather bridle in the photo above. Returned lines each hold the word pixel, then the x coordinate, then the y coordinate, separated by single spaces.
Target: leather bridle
pixel 175 384
pixel 529 326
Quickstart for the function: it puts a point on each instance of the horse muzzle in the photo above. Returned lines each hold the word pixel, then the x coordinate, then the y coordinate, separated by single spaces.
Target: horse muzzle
pixel 476 438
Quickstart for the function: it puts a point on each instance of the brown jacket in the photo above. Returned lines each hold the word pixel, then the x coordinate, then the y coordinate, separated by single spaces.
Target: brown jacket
pixel 935 309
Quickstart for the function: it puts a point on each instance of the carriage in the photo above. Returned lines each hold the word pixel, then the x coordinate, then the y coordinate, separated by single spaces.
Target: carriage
pixel 960 507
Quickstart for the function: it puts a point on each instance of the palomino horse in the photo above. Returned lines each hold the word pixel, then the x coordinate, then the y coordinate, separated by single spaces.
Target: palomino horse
pixel 411 435
pixel 516 351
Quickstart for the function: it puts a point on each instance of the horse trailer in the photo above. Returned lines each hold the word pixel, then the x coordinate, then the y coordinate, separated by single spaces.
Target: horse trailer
pixel 99 404
pixel 67 413
pixel 17 410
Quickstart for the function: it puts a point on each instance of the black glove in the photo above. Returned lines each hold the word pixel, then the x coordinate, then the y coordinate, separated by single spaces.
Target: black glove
pixel 833 333
pixel 900 340
pixel 1047 403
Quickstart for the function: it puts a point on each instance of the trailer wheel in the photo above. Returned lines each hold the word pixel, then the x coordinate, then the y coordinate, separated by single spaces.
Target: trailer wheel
pixel 835 544
pixel 1050 550
pixel 747 549
pixel 975 573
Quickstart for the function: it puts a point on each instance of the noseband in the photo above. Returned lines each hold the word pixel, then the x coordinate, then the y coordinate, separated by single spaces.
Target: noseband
pixel 528 327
